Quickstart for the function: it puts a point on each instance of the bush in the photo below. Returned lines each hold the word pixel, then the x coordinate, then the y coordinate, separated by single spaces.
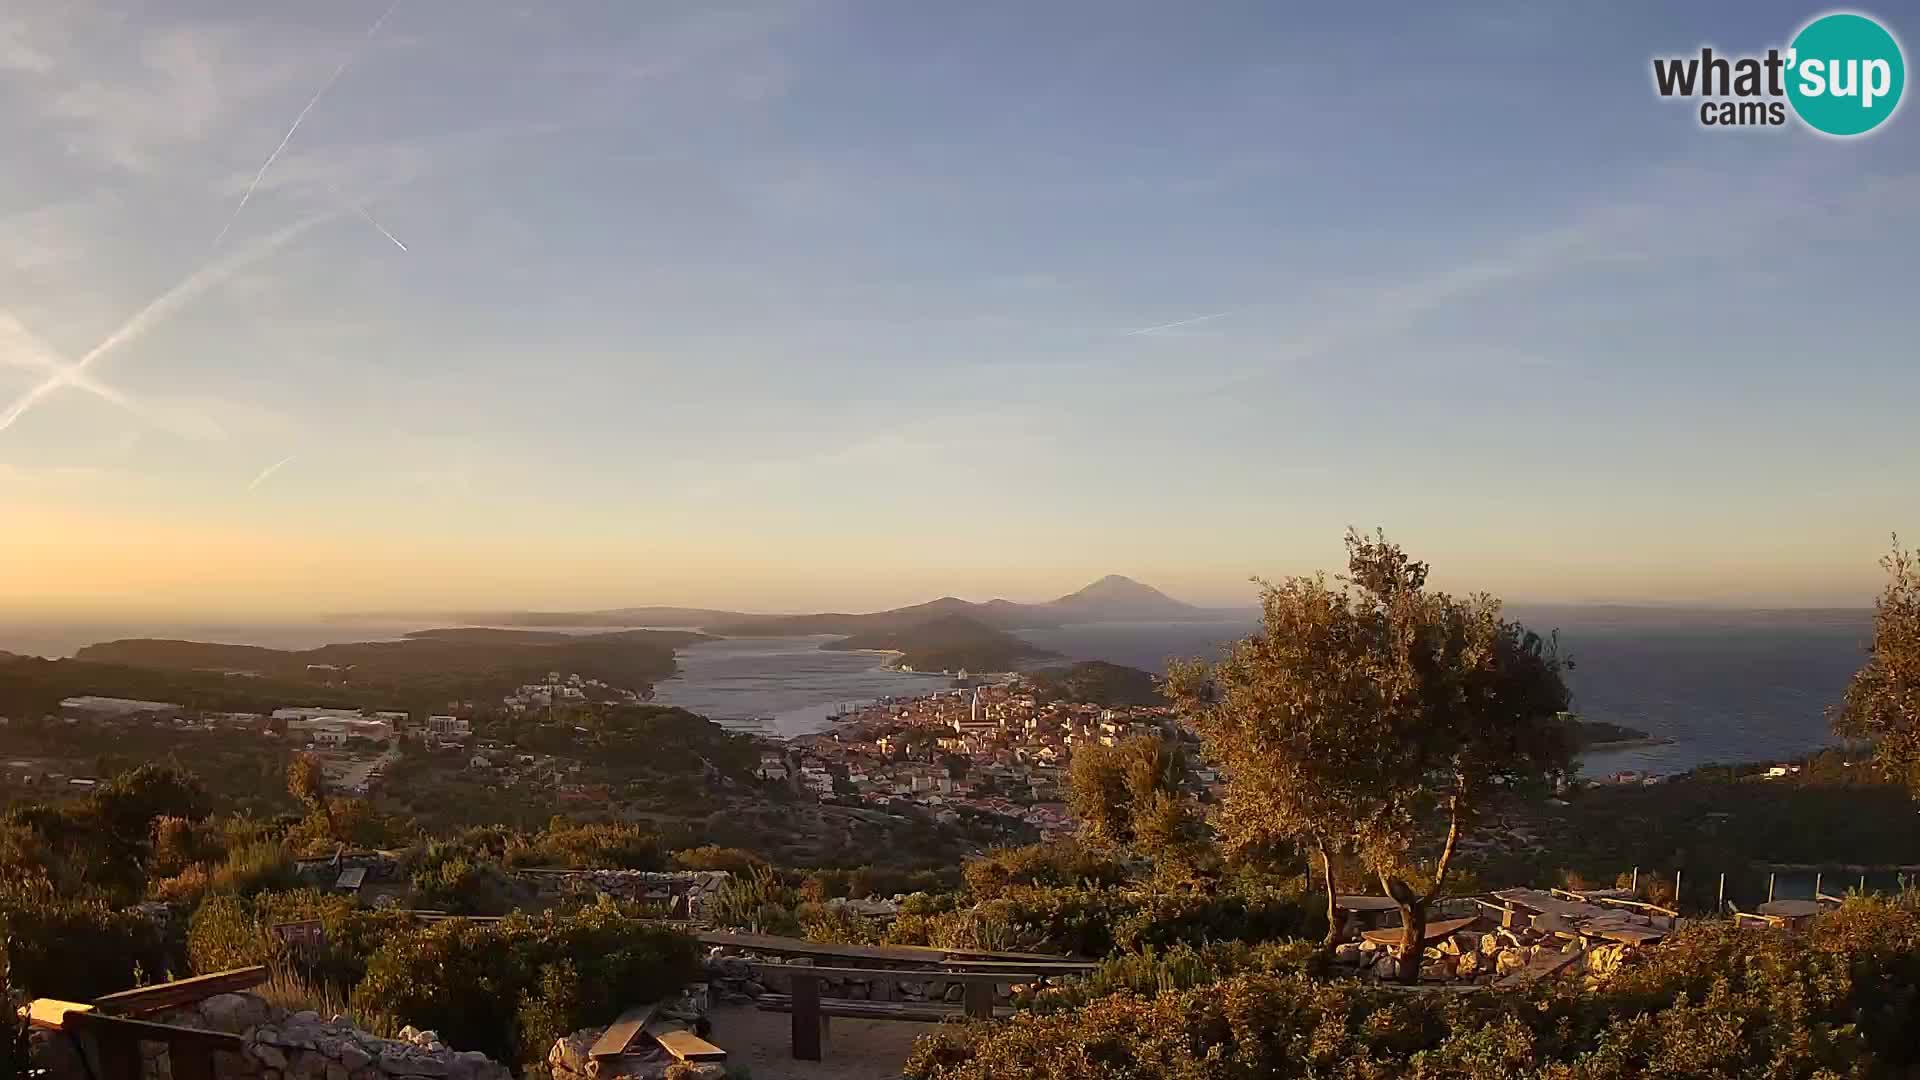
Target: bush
pixel 607 846
pixel 1712 1001
pixel 512 987
pixel 1061 863
pixel 253 867
pixel 757 900
pixel 714 857
pixel 1095 922
pixel 230 931
pixel 74 949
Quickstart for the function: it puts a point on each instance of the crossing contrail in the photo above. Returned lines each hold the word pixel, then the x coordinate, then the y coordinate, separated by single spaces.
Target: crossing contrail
pixel 186 289
pixel 267 473
pixel 1182 322
pixel 301 119
pixel 30 352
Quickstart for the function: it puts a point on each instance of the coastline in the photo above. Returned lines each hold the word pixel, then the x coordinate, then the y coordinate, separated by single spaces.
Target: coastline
pixel 1626 744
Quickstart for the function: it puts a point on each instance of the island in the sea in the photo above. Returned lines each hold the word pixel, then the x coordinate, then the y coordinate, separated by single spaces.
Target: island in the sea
pixel 947 643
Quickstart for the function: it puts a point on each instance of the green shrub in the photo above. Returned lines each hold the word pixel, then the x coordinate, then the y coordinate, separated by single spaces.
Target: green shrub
pixel 230 931
pixel 1056 864
pixel 611 846
pixel 75 949
pixel 511 987
pixel 714 857
pixel 1711 1002
pixel 753 901
pixel 1095 922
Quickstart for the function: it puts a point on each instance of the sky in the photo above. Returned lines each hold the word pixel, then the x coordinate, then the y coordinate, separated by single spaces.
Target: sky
pixel 850 304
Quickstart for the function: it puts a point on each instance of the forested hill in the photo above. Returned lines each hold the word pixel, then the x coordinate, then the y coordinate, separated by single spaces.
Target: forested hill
pixel 949 643
pixel 1097 682
pixel 432 665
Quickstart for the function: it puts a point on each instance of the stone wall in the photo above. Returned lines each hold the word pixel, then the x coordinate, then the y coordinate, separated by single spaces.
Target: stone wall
pixel 684 892
pixel 288 1046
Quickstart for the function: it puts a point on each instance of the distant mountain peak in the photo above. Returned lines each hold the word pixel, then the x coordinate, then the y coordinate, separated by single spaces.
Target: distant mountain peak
pixel 1119 596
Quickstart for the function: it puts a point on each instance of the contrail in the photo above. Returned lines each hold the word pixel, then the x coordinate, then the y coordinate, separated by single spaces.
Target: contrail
pixel 362 211
pixel 1182 322
pixel 267 473
pixel 186 289
pixel 31 352
pixel 301 119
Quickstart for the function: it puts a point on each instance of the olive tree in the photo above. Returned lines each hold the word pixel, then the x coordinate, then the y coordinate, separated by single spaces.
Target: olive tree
pixel 1883 701
pixel 1371 715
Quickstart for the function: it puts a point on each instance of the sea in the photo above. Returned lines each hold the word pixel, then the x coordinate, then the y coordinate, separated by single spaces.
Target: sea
pixel 1717 686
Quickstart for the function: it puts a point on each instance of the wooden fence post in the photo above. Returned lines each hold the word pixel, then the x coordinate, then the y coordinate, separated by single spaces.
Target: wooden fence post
pixel 1720 903
pixel 806 1017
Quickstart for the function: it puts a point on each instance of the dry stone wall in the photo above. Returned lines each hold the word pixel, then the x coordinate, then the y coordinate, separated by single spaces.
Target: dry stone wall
pixel 288 1046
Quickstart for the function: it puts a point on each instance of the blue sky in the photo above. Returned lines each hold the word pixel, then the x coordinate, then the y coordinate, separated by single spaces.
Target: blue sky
pixel 852 304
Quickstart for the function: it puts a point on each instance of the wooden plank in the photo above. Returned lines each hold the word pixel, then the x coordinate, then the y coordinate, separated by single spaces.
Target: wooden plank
pixel 806 1018
pixel 1632 935
pixel 1367 903
pixel 927 1012
pixel 989 978
pixel 1442 928
pixel 613 1041
pixel 352 878
pixel 686 1046
pixel 151 999
pixel 1542 966
pixel 906 954
pixel 49 1014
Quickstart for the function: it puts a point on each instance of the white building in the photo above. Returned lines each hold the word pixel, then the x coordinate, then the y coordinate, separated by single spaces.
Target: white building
pixel 117 708
pixel 336 730
pixel 449 727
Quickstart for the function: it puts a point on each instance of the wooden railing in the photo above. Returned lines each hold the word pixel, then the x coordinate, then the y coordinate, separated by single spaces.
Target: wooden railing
pixel 108 1032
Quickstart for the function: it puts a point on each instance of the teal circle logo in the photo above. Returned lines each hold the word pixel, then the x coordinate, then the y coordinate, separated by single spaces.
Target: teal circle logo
pixel 1845 74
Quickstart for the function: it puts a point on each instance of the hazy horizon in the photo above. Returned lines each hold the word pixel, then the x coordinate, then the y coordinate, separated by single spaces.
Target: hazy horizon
pixel 831 304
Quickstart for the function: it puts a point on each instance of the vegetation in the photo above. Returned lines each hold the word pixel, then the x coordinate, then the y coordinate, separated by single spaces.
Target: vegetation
pixel 423 670
pixel 1128 796
pixel 1712 1002
pixel 1096 682
pixel 948 643
pixel 511 988
pixel 1366 711
pixel 1883 702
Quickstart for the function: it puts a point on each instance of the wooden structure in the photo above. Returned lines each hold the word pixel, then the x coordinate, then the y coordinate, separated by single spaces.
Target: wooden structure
pixel 810 1010
pixel 1437 930
pixel 635 1023
pixel 887 954
pixel 146 1000
pixel 109 1033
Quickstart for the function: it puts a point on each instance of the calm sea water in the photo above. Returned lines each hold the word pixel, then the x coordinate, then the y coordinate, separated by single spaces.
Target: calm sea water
pixel 1724 686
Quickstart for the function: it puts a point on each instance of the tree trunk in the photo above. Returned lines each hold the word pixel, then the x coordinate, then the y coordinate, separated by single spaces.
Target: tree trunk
pixel 1413 932
pixel 1413 927
pixel 1336 924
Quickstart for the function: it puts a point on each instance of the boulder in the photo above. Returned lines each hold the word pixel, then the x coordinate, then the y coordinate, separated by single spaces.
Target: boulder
pixel 1468 966
pixel 1490 944
pixel 354 1056
pixel 1387 968
pixel 1348 953
pixel 1509 961
pixel 570 1053
pixel 267 1055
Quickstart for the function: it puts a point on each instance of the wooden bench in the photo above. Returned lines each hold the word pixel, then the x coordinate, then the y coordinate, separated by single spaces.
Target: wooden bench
pixel 810 1010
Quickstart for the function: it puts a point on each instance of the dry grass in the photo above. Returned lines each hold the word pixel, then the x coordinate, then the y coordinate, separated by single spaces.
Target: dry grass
pixel 291 991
